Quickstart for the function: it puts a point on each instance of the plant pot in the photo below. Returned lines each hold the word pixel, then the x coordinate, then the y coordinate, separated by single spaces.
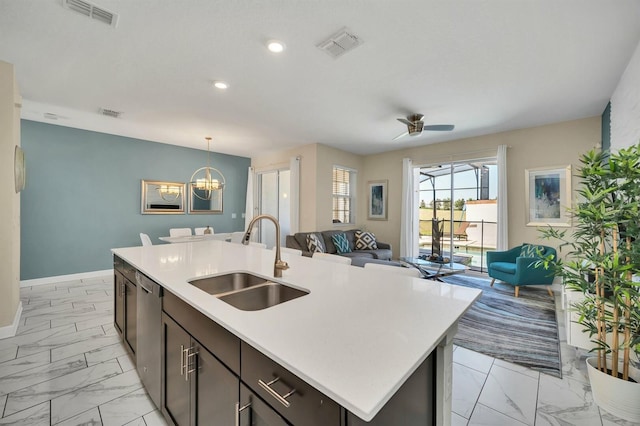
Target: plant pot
pixel 617 396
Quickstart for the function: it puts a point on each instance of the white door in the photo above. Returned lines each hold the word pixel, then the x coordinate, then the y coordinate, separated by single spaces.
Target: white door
pixel 273 198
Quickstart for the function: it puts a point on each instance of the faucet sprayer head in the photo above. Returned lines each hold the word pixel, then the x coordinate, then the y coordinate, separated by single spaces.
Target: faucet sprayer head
pixel 246 237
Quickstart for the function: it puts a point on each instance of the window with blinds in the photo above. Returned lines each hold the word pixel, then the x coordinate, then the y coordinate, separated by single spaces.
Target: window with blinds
pixel 344 195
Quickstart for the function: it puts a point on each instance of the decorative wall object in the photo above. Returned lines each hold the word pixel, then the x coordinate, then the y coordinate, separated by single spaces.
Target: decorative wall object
pixel 158 197
pixel 377 200
pixel 202 201
pixel 548 196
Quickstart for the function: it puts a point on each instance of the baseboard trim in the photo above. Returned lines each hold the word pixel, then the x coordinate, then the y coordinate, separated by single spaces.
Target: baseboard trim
pixel 10 330
pixel 70 277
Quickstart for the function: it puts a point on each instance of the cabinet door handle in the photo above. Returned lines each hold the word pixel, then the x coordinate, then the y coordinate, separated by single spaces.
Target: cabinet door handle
pixel 240 409
pixel 282 399
pixel 189 362
pixel 181 359
pixel 183 362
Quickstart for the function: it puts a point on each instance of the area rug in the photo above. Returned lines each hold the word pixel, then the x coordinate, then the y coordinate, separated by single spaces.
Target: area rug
pixel 520 330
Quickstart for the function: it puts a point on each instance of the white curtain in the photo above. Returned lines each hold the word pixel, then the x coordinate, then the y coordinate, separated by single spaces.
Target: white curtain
pixel 409 218
pixel 503 204
pixel 248 210
pixel 294 201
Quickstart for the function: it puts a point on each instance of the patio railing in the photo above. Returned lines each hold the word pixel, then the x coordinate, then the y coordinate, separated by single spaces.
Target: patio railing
pixel 471 241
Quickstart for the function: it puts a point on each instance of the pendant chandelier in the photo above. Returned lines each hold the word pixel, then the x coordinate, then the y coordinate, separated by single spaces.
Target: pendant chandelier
pixel 206 180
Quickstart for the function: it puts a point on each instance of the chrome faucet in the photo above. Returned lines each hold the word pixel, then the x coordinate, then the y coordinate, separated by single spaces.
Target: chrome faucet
pixel 279 265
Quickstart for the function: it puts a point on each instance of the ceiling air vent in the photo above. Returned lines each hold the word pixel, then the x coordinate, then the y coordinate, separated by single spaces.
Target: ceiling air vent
pixel 340 43
pixel 92 11
pixel 110 112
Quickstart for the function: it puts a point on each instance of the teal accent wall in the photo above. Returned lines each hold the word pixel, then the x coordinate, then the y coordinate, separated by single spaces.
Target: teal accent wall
pixel 606 128
pixel 82 196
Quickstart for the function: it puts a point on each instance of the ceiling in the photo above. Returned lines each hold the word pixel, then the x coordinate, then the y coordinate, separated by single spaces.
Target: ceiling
pixel 484 65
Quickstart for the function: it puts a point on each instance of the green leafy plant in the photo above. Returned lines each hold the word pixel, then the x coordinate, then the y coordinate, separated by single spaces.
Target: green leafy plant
pixel 603 255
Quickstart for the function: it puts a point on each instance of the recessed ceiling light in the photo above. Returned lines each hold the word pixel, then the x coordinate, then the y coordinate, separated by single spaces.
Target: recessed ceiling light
pixel 220 85
pixel 275 46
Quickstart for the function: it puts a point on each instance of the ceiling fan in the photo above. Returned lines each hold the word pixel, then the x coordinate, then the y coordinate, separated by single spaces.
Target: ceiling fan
pixel 415 126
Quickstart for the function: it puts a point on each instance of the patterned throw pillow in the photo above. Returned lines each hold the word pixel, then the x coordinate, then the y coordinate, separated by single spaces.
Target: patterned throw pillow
pixel 529 250
pixel 365 241
pixel 314 244
pixel 341 243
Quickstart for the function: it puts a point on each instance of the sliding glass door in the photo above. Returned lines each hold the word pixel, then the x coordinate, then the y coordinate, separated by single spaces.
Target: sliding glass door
pixel 458 210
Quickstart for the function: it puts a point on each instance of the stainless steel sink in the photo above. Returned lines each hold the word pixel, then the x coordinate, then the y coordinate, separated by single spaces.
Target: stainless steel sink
pixel 262 296
pixel 229 282
pixel 246 291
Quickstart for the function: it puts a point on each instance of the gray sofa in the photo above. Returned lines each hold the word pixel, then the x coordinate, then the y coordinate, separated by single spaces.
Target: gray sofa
pixel 299 241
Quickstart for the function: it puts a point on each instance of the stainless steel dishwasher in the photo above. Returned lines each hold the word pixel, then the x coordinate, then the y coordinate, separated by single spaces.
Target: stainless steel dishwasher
pixel 149 331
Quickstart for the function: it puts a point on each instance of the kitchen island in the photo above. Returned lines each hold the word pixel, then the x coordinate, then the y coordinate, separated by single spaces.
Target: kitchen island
pixel 358 337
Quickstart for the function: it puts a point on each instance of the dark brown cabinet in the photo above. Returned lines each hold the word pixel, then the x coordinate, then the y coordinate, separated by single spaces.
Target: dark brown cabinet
pixel 294 399
pixel 176 389
pixel 130 315
pixel 118 309
pixel 125 303
pixel 197 388
pixel 252 411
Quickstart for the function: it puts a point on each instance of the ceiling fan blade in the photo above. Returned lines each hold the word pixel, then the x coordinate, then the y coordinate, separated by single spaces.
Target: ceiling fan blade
pixel 439 127
pixel 405 121
pixel 399 136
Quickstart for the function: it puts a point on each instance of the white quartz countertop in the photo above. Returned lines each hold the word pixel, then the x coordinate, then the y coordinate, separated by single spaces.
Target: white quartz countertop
pixel 356 337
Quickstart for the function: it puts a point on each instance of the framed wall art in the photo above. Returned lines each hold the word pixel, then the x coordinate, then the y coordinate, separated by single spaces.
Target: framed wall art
pixel 548 196
pixel 377 200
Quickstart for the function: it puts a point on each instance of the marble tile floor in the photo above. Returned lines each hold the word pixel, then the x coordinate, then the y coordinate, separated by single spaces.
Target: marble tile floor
pixel 66 366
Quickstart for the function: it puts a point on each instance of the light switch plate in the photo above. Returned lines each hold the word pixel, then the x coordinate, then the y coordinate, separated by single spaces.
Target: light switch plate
pixel 233 215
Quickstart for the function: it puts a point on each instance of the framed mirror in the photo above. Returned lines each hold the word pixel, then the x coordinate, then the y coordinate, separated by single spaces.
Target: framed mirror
pixel 203 201
pixel 158 197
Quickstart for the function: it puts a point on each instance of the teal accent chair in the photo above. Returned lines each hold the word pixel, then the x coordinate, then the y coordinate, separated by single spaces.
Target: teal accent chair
pixel 512 268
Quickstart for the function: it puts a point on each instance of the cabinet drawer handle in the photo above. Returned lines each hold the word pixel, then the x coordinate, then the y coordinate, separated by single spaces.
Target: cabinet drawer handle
pixel 282 399
pixel 240 409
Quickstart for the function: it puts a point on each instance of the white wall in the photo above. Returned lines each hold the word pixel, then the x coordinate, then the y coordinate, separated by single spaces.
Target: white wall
pixel 308 166
pixel 552 145
pixel 10 212
pixel 625 106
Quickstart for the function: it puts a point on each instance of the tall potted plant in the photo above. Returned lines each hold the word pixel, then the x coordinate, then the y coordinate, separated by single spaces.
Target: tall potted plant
pixel 602 259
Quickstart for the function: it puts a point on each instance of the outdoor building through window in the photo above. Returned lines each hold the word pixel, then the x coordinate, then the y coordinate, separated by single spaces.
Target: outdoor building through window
pixel 344 195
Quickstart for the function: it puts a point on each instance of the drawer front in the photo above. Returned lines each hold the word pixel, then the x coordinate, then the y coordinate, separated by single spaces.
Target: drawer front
pixel 307 406
pixel 129 272
pixel 224 345
pixel 118 264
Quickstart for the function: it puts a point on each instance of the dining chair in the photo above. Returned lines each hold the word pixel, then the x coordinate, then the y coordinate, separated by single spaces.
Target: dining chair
pixel 399 270
pixel 292 251
pixel 146 241
pixel 200 231
pixel 255 244
pixel 180 232
pixel 332 258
